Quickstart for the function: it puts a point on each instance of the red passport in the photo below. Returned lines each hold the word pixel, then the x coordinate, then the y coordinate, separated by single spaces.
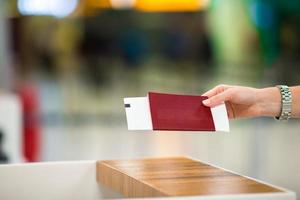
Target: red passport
pixel 160 111
pixel 179 112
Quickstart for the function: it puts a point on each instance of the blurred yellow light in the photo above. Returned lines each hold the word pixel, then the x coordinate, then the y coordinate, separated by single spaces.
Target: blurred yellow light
pixel 99 3
pixel 89 6
pixel 170 5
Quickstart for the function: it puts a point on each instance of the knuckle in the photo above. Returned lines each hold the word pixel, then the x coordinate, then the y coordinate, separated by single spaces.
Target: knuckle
pixel 221 87
pixel 233 93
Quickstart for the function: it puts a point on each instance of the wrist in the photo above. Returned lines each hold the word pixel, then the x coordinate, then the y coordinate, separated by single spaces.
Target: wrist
pixel 296 99
pixel 269 101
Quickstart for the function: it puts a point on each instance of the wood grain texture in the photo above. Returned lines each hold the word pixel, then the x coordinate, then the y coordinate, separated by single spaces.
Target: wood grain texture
pixel 176 176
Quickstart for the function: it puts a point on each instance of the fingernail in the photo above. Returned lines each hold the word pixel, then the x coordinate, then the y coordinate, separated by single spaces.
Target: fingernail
pixel 206 102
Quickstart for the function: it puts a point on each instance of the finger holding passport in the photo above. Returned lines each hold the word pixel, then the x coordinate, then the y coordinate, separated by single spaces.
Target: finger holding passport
pixel 174 112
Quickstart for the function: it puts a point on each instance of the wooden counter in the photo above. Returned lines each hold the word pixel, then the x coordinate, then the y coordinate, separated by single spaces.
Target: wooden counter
pixel 176 176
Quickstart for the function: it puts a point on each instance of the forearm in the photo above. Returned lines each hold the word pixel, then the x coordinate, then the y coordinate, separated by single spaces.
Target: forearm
pixel 269 100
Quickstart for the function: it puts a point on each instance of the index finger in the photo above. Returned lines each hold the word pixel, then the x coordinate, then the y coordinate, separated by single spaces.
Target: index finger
pixel 215 90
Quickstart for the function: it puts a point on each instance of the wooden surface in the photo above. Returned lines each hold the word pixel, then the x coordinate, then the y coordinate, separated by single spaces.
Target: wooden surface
pixel 177 176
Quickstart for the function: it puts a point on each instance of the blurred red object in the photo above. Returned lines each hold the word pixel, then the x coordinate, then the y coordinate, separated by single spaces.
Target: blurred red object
pixel 31 127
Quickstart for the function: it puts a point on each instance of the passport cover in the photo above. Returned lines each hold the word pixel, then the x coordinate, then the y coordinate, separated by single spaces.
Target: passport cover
pixel 180 112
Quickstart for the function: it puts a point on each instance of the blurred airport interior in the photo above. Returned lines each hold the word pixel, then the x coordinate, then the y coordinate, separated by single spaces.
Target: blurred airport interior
pixel 65 67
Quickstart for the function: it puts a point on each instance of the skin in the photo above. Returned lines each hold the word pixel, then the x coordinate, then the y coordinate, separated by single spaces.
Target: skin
pixel 248 102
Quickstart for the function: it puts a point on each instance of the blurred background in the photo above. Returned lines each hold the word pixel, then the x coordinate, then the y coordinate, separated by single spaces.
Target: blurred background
pixel 65 67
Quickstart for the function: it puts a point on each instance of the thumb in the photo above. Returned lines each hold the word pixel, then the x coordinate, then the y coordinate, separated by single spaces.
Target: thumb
pixel 218 99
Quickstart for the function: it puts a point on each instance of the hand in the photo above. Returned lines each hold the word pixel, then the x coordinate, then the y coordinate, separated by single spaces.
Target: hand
pixel 245 102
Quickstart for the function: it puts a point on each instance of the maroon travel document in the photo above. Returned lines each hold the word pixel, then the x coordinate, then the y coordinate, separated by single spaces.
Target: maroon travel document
pixel 179 112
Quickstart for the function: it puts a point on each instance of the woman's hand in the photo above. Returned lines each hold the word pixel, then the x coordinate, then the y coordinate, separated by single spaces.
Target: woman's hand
pixel 245 102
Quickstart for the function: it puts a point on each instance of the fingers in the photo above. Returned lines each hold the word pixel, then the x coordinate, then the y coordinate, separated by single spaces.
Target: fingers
pixel 218 99
pixel 215 90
